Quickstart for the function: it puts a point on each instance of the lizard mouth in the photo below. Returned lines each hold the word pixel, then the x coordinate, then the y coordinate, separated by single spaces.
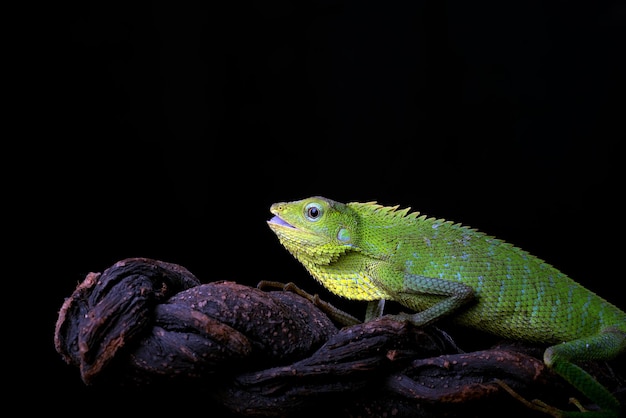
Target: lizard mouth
pixel 277 220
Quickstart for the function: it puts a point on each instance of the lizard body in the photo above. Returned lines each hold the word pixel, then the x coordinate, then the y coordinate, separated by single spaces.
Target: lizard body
pixel 436 267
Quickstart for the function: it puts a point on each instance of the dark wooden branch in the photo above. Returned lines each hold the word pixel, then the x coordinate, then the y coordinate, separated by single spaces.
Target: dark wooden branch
pixel 146 323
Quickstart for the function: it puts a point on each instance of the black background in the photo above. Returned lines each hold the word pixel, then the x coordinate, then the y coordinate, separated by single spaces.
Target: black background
pixel 166 131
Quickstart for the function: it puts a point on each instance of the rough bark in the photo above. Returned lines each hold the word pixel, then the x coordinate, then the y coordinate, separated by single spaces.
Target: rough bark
pixel 147 323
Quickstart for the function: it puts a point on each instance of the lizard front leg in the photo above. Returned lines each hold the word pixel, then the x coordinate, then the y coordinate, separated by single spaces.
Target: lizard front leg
pixel 411 288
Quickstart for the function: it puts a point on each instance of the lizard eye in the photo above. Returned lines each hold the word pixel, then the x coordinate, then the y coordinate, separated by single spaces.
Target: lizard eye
pixel 313 212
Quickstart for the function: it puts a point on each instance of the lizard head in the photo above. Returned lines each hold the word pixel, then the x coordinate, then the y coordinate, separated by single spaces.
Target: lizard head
pixel 315 230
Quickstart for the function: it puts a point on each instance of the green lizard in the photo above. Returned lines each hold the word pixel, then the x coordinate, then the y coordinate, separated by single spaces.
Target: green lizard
pixel 434 267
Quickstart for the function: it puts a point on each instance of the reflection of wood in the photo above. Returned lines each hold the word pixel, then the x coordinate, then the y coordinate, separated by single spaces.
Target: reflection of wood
pixel 145 322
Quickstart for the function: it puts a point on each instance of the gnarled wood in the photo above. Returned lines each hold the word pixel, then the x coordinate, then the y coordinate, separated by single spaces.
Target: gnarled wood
pixel 146 323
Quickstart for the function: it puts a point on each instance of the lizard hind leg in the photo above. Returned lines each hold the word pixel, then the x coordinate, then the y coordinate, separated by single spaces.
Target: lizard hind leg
pixel 561 358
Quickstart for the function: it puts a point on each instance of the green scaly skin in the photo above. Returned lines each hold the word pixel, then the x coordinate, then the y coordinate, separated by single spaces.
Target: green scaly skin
pixel 435 267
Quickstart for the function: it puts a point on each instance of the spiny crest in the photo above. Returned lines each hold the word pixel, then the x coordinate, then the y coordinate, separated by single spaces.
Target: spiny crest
pixel 394 212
